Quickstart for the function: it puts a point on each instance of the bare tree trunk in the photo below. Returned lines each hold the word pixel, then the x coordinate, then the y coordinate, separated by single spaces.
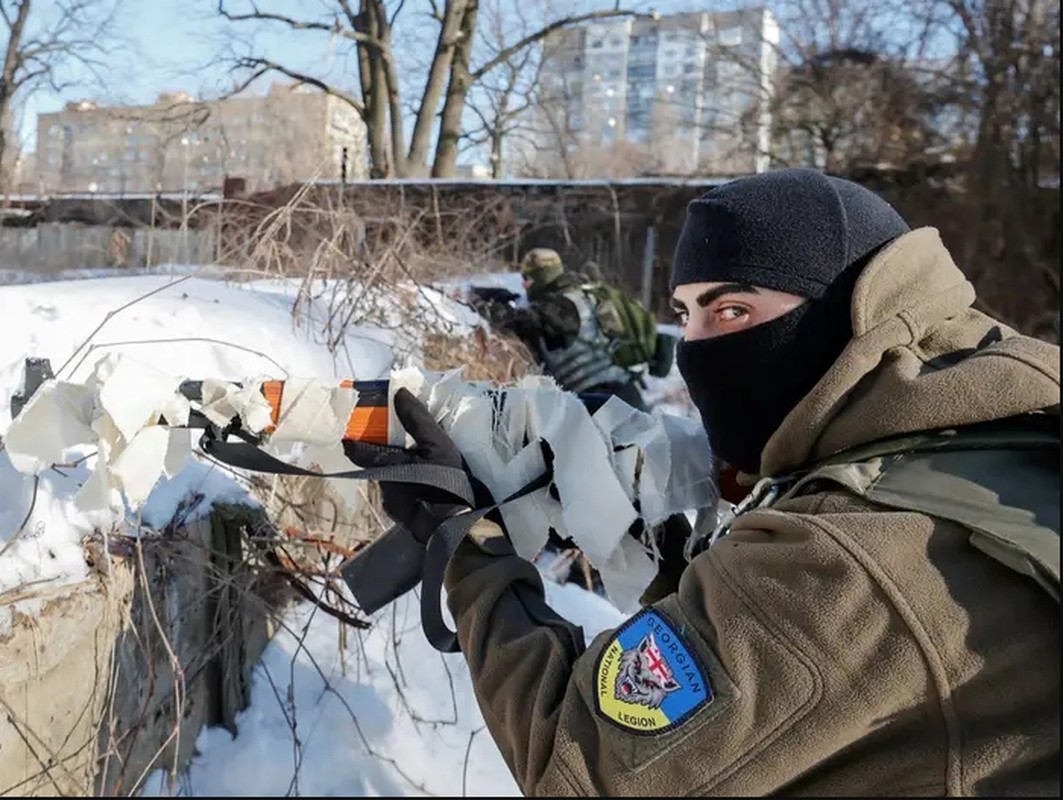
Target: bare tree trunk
pixel 376 108
pixel 450 30
pixel 8 80
pixel 496 153
pixel 457 90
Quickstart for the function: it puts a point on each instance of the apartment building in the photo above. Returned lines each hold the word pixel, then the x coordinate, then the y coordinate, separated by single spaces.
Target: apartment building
pixel 290 134
pixel 693 89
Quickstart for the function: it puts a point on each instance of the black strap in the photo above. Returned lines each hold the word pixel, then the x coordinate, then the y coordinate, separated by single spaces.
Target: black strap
pixel 441 544
pixel 246 456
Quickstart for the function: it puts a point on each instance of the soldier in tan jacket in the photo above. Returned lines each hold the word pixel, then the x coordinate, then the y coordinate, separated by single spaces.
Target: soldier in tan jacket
pixel 840 638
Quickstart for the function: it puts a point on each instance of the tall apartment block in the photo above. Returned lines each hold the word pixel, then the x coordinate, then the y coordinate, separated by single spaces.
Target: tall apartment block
pixel 694 88
pixel 177 143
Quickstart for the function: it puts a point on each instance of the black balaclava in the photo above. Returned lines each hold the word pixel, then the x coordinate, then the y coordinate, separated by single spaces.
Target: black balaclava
pixel 795 231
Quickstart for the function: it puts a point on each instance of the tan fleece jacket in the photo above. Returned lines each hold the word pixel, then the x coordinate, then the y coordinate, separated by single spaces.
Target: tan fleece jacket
pixel 825 646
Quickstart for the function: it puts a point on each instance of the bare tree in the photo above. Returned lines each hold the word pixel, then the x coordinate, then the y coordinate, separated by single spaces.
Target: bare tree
pixel 502 102
pixel 376 93
pixel 1007 79
pixel 44 40
pixel 837 85
pixel 849 107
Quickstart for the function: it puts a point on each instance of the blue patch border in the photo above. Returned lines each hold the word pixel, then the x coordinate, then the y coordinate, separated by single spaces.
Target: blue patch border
pixel 699 663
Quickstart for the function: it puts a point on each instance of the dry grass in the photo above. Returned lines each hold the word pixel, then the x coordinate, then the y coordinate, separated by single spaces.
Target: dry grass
pixel 484 357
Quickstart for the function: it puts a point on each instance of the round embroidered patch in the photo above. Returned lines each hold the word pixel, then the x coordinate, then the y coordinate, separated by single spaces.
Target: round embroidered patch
pixel 647 680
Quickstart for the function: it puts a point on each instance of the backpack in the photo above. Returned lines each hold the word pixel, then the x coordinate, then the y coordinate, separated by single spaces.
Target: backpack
pixel 1000 480
pixel 633 330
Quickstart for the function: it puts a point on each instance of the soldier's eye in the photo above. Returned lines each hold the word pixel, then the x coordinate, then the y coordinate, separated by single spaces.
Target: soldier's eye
pixel 732 313
pixel 682 316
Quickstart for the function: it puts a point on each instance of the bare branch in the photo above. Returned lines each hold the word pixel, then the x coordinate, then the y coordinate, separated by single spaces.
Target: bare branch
pixel 263 65
pixel 508 52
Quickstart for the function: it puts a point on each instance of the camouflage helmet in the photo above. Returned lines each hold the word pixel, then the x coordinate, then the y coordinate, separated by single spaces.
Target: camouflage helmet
pixel 542 265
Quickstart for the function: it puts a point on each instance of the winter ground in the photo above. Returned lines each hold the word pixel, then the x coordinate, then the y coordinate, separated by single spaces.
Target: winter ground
pixel 383 714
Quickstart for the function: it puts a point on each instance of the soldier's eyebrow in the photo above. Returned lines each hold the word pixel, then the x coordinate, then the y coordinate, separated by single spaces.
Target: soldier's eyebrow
pixel 709 295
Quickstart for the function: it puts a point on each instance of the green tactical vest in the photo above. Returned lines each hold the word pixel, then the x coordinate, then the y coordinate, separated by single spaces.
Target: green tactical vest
pixel 1000 480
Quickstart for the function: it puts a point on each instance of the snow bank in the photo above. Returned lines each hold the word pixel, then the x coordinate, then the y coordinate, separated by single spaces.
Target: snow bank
pixel 385 716
pixel 194 328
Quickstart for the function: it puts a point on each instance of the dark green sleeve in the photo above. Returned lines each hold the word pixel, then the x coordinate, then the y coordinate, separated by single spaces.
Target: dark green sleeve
pixel 555 320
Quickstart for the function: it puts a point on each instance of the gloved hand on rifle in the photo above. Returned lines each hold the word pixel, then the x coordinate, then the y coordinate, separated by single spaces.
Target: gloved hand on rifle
pixel 493 303
pixel 421 509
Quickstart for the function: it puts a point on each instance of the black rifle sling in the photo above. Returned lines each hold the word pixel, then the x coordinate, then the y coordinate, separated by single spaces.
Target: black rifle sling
pixel 441 544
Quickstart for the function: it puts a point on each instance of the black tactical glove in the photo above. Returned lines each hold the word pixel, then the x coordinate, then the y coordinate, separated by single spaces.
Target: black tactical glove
pixel 671 535
pixel 418 508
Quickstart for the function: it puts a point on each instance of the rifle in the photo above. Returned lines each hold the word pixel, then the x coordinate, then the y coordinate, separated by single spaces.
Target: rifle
pixel 395 562
pixel 489 295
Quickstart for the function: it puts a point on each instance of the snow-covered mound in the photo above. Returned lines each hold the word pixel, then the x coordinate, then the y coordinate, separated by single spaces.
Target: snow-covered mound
pixel 192 327
pixel 385 714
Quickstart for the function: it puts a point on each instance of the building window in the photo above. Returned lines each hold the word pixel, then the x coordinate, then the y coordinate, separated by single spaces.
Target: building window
pixel 730 37
pixel 641 72
pixel 728 73
pixel 596 44
pixel 672 36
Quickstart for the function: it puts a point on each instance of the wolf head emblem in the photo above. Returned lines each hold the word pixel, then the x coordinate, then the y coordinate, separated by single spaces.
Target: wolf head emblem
pixel 644 677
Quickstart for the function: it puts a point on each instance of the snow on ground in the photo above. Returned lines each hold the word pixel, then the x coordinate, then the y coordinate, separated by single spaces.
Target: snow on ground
pixel 384 715
pixel 190 327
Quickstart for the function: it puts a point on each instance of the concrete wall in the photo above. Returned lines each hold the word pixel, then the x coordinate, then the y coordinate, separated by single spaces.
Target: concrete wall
pixel 54 685
pixel 116 678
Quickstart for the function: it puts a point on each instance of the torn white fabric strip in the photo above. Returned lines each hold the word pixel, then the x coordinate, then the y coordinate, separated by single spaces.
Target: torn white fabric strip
pixel 596 510
pixel 626 574
pixel 223 401
pixel 133 394
pixel 56 418
pixel 691 482
pixel 138 468
pixel 313 412
pixel 178 451
pixel 331 458
pixel 99 492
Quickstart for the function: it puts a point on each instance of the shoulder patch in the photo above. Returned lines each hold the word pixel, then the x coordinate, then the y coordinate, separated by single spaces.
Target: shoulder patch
pixel 647 680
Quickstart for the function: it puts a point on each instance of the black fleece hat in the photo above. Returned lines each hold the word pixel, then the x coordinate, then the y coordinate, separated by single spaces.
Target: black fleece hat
pixel 792 230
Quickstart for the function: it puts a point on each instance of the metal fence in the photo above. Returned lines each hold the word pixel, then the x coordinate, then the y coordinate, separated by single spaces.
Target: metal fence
pixel 54 247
